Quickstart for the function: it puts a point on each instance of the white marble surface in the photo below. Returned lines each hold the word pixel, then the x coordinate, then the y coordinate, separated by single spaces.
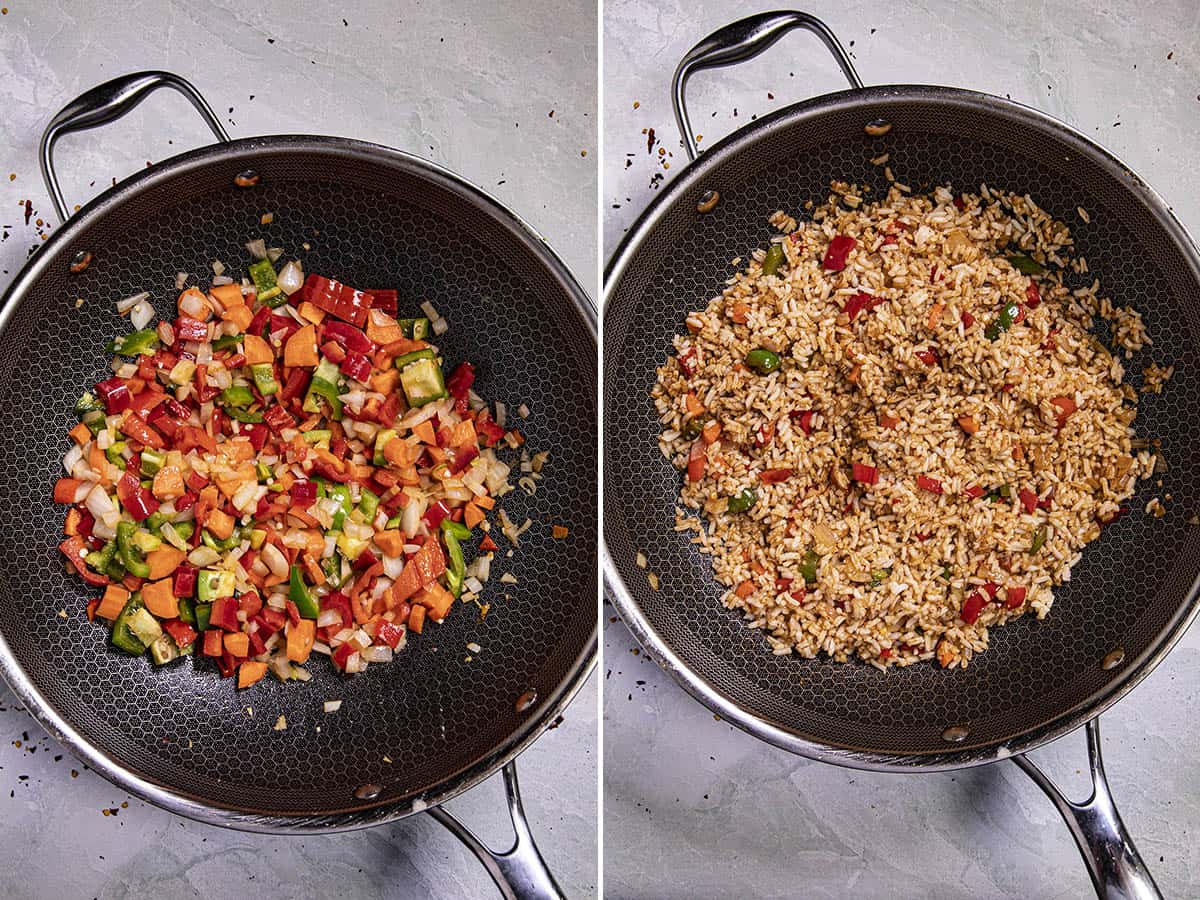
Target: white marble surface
pixel 468 85
pixel 695 808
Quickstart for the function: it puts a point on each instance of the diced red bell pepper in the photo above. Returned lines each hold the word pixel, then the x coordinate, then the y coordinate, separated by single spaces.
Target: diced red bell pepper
pixel 72 548
pixel 337 299
pixel 271 618
pixel 343 653
pixel 250 603
pixel 304 493
pixel 385 299
pixel 283 326
pixel 227 663
pixel 804 418
pixel 257 645
pixel 991 589
pixel 339 601
pixel 687 362
pixel 489 432
pixel 696 460
pixel 389 633
pixel 181 632
pixel 296 384
pixel 1032 295
pixel 434 515
pixel 1014 597
pixel 186 502
pixel 925 483
pixel 184 584
pixel 927 356
pixel 333 351
pixel 460 380
pixel 959 203
pixel 278 418
pixel 189 329
pixel 357 366
pixel 972 607
pixel 463 457
pixel 775 476
pixel 135 499
pixel 224 614
pixel 365 560
pixel 487 544
pixel 975 491
pixel 1028 499
pixel 293 612
pixel 213 642
pixel 837 253
pixel 259 322
pixel 115 395
pixel 1065 406
pixel 258 434
pixel 967 319
pixel 196 481
pixel 860 303
pixel 864 474
pixel 351 338
pixel 204 390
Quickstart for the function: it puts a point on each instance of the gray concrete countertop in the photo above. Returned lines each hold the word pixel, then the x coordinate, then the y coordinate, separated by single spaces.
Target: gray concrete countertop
pixel 468 86
pixel 696 808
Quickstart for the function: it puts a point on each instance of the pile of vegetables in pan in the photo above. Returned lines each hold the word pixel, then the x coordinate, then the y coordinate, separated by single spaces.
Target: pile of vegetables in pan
pixel 283 470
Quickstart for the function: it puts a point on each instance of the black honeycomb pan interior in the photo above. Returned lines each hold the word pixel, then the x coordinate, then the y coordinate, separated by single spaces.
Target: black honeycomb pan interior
pixel 1131 584
pixel 371 222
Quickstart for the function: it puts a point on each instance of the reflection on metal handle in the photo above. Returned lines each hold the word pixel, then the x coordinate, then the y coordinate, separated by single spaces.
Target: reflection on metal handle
pixel 519 872
pixel 1117 870
pixel 106 103
pixel 739 42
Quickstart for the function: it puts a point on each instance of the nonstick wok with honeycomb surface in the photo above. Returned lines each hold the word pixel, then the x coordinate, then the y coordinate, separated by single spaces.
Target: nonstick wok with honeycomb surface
pixel 1135 589
pixel 408 734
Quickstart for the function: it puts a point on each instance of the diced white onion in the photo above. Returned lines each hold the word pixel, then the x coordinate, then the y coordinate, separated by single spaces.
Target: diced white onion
pixel 171 536
pixel 73 457
pixel 124 306
pixel 275 560
pixel 440 326
pixel 378 654
pixel 331 706
pixel 355 664
pixel 290 278
pixel 218 267
pixel 428 309
pixel 277 601
pixel 322 647
pixel 204 556
pixel 221 280
pixel 274 253
pixel 257 248
pixel 180 280
pixel 141 314
pixel 194 304
pixel 393 566
pixel 101 506
pixel 328 617
pixel 501 412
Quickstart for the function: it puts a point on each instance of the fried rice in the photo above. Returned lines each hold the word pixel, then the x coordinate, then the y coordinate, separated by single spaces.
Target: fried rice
pixel 927 437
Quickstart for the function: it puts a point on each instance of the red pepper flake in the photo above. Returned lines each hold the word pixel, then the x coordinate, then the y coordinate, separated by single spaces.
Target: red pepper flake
pixel 923 536
pixel 886 421
pixel 1066 406
pixel 1020 316
pixel 864 474
pixel 860 303
pixel 1032 295
pixel 968 320
pixel 959 203
pixel 925 483
pixel 1028 499
pixel 885 653
pixel 28 211
pixel 927 356
pixel 764 435
pixel 972 608
pixel 837 253
pixel 805 419
pixel 687 361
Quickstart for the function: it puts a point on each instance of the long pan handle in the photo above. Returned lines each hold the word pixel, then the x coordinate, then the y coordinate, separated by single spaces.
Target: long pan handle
pixel 743 40
pixel 519 872
pixel 106 103
pixel 1114 863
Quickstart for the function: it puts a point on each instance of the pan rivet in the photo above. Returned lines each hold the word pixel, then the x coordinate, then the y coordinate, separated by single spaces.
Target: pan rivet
pixel 878 127
pixel 526 700
pixel 708 201
pixel 368 792
pixel 1113 659
pixel 956 734
pixel 247 179
pixel 80 261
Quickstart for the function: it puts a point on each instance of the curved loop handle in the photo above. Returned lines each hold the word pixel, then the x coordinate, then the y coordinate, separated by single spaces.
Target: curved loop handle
pixel 739 42
pixel 519 872
pixel 1117 870
pixel 106 103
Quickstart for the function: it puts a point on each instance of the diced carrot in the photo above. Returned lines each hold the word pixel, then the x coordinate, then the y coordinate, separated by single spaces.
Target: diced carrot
pixel 239 316
pixel 416 619
pixel 464 434
pixel 204 505
pixel 405 586
pixel 694 406
pixel 300 638
pixel 115 598
pixel 739 311
pixel 163 561
pixel 745 589
pixel 133 583
pixel 212 642
pixel 312 569
pixel 437 599
pixel 96 458
pixel 935 315
pixel 301 348
pixel 711 431
pixel 485 502
pixel 385 381
pixel 81 434
pixel 425 432
pixel 558 532
pixel 251 672
pixel 237 643
pixel 310 312
pixel 390 542
pixel 159 597
pixel 238 449
pixel 886 421
pixel 205 309
pixel 256 350
pixel 472 515
pixel 135 427
pixel 220 524
pixel 229 295
pixel 64 490
pixel 92 606
pixel 382 328
pixel 968 424
pixel 168 483
pixel 400 453
pixel 71 527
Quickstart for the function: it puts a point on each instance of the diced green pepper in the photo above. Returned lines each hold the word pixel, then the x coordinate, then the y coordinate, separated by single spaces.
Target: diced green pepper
pixel 394 521
pixel 808 567
pixel 163 650
pixel 421 377
pixel 128 553
pixel 185 530
pixel 203 616
pixel 88 403
pixel 1004 320
pixel 241 415
pixel 237 395
pixel 381 441
pixel 113 454
pixel 145 541
pixel 456 566
pixel 210 540
pixel 318 436
pixel 264 378
pixel 152 461
pixel 140 343
pixel 262 273
pixel 299 594
pixel 227 342
pixel 1039 539
pixel 257 538
pixel 341 493
pixel 212 584
pixel 879 575
pixel 1026 265
pixel 123 637
pixel 743 501
pixel 368 503
pixel 263 471
pixel 763 361
pixel 187 610
pixel 773 259
pixel 417 329
pixel 324 385
pixel 351 548
pixel 332 567
pixel 947 573
pixel 91 412
pixel 99 560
